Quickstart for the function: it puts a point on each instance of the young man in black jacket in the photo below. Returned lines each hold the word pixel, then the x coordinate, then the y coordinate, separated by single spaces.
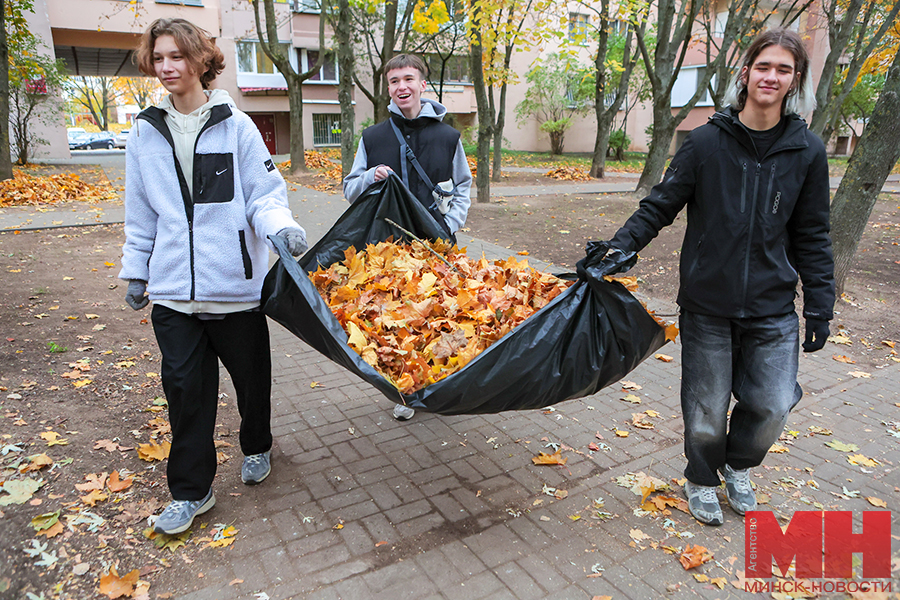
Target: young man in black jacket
pixel 755 183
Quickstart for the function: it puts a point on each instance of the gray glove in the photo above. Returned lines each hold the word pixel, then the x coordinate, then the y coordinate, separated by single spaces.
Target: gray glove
pixel 135 295
pixel 296 240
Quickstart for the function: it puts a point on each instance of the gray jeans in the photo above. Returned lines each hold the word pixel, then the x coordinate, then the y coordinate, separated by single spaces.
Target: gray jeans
pixel 754 359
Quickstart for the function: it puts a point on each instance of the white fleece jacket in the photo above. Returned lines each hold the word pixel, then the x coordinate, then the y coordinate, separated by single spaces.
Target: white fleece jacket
pixel 206 244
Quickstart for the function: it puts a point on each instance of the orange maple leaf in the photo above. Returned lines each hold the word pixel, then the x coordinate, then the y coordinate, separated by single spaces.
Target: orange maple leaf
pixel 694 556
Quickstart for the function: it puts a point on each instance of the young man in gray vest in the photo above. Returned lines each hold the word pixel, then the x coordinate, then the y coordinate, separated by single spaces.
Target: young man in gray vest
pixel 436 146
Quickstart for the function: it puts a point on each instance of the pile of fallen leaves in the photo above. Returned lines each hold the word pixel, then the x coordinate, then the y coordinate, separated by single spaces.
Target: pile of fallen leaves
pixel 317 160
pixel 473 165
pixel 568 173
pixel 30 190
pixel 417 319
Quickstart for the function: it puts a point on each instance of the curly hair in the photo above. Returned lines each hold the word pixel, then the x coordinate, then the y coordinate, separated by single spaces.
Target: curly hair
pixel 801 97
pixel 197 45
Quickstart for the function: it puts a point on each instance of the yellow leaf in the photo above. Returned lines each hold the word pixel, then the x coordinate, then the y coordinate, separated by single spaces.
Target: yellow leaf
pixel 91 316
pixel 663 357
pixel 117 485
pixel 53 438
pixel 858 374
pixel 82 382
pixel 843 359
pixel 876 501
pixel 357 338
pixel 778 449
pixel 38 462
pixel 621 433
pixel 52 531
pixel 549 459
pixel 115 587
pixel 152 451
pixel 94 497
pixel 862 461
pixel 634 399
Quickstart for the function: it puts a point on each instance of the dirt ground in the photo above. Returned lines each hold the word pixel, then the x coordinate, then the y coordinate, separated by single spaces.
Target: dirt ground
pixel 80 391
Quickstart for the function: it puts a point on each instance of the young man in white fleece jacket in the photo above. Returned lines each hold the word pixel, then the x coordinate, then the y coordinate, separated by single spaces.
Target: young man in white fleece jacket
pixel 202 194
pixel 436 145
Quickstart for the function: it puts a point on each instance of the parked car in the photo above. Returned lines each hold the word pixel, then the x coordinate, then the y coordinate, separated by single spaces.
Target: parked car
pixel 92 141
pixel 122 138
pixel 74 132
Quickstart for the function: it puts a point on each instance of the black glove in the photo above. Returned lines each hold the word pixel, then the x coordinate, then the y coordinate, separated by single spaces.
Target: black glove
pixel 817 332
pixel 602 260
pixel 295 239
pixel 135 295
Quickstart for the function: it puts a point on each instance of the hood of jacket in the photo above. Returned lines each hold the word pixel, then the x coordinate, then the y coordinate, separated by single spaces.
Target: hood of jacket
pixel 430 110
pixel 793 138
pixel 181 123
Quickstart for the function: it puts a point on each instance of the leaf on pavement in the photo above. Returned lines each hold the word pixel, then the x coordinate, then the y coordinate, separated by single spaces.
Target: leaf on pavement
pixel 633 398
pixel 694 556
pixel 549 459
pixel 153 451
pixel 859 374
pixel 778 449
pixel 638 536
pixel 639 420
pixel 52 531
pixel 167 542
pixel 115 587
pixel 840 339
pixel 630 385
pixel 663 357
pixel 876 501
pixel 843 359
pixel 862 461
pixel 841 446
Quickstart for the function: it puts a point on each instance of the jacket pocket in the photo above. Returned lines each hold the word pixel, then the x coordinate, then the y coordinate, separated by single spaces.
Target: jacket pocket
pixel 245 255
pixel 213 178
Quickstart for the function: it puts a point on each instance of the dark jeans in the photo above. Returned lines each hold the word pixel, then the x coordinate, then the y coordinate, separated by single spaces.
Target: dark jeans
pixel 191 349
pixel 754 359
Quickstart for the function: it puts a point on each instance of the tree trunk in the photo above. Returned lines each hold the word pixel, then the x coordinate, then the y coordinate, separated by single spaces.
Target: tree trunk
pixel 557 139
pixel 295 100
pixel 875 155
pixel 485 120
pixel 663 130
pixel 345 85
pixel 5 156
pixel 497 167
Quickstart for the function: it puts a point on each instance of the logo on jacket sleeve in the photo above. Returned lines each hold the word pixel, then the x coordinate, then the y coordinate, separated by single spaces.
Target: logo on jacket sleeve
pixel 270 166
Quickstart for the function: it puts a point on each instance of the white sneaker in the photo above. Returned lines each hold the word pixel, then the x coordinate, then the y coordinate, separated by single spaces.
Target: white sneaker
pixel 403 412
pixel 738 489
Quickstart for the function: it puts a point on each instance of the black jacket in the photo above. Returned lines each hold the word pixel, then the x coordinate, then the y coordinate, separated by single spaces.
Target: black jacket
pixel 752 225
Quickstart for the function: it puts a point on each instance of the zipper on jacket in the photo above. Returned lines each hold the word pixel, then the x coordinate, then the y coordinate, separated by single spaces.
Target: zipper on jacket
pixel 743 188
pixel 769 189
pixel 750 237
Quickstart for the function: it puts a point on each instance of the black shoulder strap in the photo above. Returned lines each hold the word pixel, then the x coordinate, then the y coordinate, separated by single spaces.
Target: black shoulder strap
pixel 406 151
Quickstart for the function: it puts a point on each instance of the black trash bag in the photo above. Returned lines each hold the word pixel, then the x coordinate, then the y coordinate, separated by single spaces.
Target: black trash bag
pixel 588 337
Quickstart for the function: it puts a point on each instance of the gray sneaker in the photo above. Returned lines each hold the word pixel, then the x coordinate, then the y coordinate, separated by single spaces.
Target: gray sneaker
pixel 738 489
pixel 703 503
pixel 256 467
pixel 403 412
pixel 179 514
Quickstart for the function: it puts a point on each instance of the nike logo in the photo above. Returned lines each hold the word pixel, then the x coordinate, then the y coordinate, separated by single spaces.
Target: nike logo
pixel 220 172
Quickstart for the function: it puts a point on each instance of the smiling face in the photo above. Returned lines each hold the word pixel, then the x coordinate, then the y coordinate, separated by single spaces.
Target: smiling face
pixel 172 68
pixel 405 87
pixel 770 78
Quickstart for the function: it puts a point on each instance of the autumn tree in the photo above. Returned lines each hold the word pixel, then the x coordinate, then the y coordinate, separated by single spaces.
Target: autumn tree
pixel 496 30
pixel 340 20
pixel 439 32
pixel 278 54
pixel 856 29
pixel 13 33
pixel 875 155
pixel 99 95
pixel 614 63
pixel 674 32
pixel 142 91
pixel 556 92
pixel 34 81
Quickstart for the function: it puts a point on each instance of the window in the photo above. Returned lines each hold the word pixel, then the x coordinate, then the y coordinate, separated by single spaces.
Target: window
pixel 327 130
pixel 618 27
pixel 327 72
pixel 721 20
pixel 181 2
pixel 456 69
pixel 252 59
pixel 578 28
pixel 306 6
